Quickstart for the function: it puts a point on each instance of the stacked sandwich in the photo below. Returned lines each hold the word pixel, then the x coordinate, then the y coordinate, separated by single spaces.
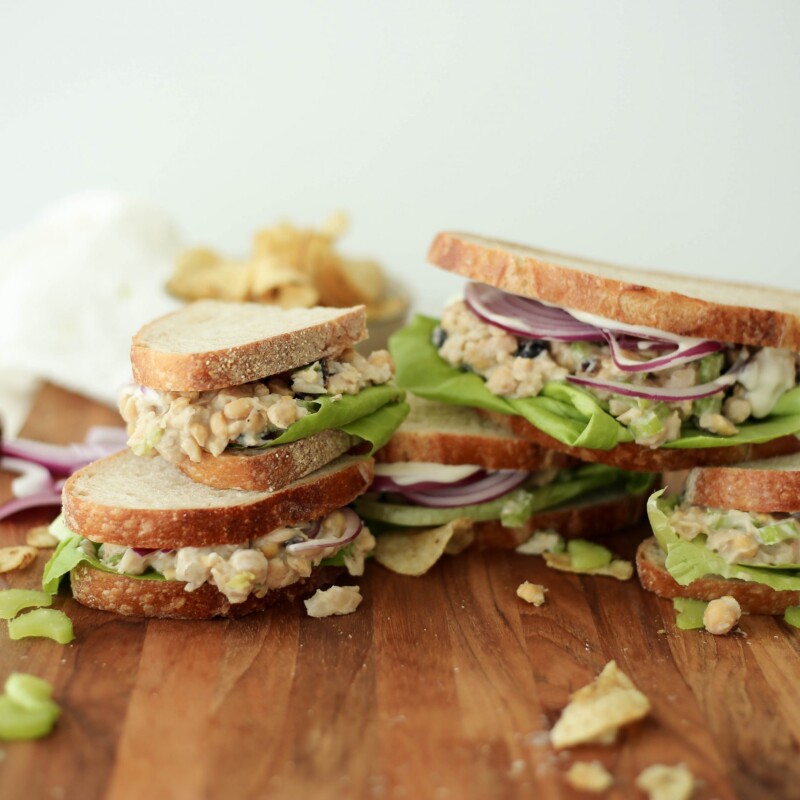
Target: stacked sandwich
pixel 251 430
pixel 632 370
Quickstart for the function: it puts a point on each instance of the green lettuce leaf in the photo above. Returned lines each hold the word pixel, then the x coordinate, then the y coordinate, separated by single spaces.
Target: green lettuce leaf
pixel 512 510
pixel 567 413
pixel 68 555
pixel 689 616
pixel 689 561
pixel 792 616
pixel 373 414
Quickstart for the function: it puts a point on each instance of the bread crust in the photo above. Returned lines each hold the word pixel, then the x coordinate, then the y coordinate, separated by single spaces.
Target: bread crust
pixel 484 451
pixel 156 366
pixel 629 455
pixel 169 599
pixel 269 469
pixel 538 274
pixel 584 521
pixel 754 598
pixel 744 489
pixel 311 497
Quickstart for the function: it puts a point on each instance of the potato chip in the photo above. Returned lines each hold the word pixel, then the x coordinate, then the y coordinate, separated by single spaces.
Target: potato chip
pixel 41 537
pixel 589 776
pixel 662 782
pixel 597 711
pixel 415 552
pixel 18 557
pixel 337 600
pixel 531 593
pixel 619 569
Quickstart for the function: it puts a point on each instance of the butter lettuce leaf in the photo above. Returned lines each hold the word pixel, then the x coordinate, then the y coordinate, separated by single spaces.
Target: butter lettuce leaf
pixel 568 413
pixel 689 561
pixel 373 414
pixel 68 555
pixel 792 616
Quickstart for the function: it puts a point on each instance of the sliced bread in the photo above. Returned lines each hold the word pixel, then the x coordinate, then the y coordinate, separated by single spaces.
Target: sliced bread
pixel 211 344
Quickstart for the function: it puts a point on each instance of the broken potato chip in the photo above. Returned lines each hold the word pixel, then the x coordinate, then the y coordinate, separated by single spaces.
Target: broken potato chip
pixel 619 569
pixel 415 552
pixel 531 593
pixel 41 537
pixel 662 782
pixel 596 712
pixel 17 557
pixel 589 776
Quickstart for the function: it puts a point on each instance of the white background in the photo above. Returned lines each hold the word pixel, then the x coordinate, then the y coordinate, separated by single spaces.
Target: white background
pixel 652 133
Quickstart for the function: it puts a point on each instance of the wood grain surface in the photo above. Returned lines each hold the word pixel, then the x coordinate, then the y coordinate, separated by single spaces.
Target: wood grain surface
pixel 442 686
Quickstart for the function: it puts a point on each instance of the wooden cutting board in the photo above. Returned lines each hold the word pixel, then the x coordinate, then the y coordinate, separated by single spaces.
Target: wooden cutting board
pixel 442 686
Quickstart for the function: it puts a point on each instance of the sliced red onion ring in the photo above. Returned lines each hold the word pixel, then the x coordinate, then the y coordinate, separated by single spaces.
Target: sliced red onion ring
pixel 107 436
pixel 32 479
pixel 311 529
pixel 352 527
pixel 58 459
pixel 522 316
pixel 668 395
pixel 40 500
pixel 689 350
pixel 145 551
pixel 383 483
pixel 490 487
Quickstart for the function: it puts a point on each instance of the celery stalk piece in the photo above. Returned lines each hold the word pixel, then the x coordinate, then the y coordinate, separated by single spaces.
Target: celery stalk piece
pixel 588 555
pixel 18 722
pixel 12 601
pixel 46 622
pixel 689 613
pixel 28 690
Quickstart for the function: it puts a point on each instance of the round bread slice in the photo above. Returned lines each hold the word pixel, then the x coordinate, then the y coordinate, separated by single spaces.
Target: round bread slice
pixel 754 598
pixel 689 306
pixel 769 485
pixel 593 516
pixel 147 502
pixel 442 433
pixel 268 469
pixel 629 455
pixel 211 344
pixel 122 594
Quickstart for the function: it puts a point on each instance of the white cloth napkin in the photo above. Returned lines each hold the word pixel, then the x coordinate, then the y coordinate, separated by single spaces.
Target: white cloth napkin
pixel 75 286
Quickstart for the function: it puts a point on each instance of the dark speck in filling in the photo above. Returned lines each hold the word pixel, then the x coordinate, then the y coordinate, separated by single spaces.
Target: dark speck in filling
pixel 323 365
pixel 438 337
pixel 530 348
pixel 589 366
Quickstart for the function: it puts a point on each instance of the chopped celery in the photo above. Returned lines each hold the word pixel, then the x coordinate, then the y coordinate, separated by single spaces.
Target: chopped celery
pixel 689 614
pixel 779 532
pixel 12 601
pixel 707 405
pixel 26 709
pixel 588 555
pixel 709 368
pixel 46 622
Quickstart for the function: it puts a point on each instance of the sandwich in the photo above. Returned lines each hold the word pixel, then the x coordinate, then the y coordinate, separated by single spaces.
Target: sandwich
pixel 253 397
pixel 734 532
pixel 447 463
pixel 139 537
pixel 639 370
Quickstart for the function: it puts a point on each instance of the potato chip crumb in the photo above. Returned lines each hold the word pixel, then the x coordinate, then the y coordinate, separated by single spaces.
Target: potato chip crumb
pixel 337 600
pixel 17 557
pixel 663 782
pixel 415 552
pixel 531 593
pixel 597 711
pixel 589 776
pixel 41 537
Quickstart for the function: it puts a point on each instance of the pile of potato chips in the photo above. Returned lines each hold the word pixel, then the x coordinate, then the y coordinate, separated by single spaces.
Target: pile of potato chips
pixel 290 267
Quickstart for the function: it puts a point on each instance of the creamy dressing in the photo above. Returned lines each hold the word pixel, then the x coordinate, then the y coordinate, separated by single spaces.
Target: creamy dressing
pixel 770 373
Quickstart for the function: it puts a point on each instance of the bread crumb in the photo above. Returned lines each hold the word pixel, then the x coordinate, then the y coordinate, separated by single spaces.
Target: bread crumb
pixel 589 776
pixel 597 711
pixel 337 600
pixel 662 782
pixel 531 593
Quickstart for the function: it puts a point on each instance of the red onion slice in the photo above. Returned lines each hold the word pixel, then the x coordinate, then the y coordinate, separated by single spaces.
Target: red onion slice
pixel 40 500
pixel 352 527
pixel 689 350
pixel 527 318
pixel 32 479
pixel 492 486
pixel 665 394
pixel 58 459
pixel 383 483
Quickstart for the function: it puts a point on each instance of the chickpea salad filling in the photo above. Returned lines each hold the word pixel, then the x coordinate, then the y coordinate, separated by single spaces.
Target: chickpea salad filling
pixel 272 561
pixel 751 379
pixel 180 425
pixel 740 545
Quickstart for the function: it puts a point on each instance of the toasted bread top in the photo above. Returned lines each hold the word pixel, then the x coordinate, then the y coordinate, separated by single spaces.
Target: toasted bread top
pixel 688 306
pixel 147 502
pixel 447 434
pixel 768 485
pixel 212 345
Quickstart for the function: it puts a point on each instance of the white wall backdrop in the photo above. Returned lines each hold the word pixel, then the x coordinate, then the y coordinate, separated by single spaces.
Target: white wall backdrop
pixel 652 133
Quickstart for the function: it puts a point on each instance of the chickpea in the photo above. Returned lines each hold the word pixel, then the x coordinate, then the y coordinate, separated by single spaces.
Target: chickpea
pixel 721 615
